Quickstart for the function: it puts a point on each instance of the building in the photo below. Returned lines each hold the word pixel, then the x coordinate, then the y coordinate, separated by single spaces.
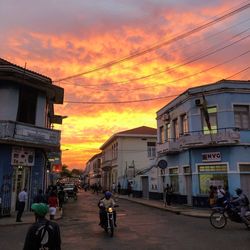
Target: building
pixel 27 112
pixel 204 139
pixel 126 156
pixel 95 169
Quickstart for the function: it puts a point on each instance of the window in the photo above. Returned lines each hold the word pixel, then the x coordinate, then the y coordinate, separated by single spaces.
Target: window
pixel 241 117
pixel 176 129
pixel 186 170
pixel 212 175
pixel 167 132
pixel 211 120
pixel 244 167
pixel 161 134
pixel 27 105
pixel 174 179
pixel 184 124
pixel 151 149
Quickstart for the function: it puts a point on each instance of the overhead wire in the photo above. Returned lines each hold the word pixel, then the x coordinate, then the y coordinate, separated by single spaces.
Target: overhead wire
pixel 91 86
pixel 156 98
pixel 157 46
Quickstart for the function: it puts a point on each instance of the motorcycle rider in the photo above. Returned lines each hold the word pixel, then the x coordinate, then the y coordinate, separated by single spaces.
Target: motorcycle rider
pixel 104 204
pixel 243 206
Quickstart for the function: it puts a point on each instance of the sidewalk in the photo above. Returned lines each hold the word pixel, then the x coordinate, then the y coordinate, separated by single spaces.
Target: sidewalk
pixel 27 218
pixel 175 208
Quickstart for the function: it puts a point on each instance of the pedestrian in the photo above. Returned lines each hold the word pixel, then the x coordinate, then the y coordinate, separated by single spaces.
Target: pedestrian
pixel 61 197
pixel 43 234
pixel 220 195
pixel 211 196
pixel 113 188
pixel 129 189
pixel 22 198
pixel 40 198
pixel 53 204
pixel 168 193
pixel 119 188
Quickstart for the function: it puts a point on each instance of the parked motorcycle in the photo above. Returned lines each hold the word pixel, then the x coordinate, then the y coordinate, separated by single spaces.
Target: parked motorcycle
pixel 220 215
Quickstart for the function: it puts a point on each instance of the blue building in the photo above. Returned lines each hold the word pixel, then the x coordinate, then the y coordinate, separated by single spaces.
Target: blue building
pixel 204 139
pixel 26 136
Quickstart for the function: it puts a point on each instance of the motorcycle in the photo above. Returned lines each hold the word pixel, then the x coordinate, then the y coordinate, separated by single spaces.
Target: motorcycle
pixel 220 215
pixel 108 220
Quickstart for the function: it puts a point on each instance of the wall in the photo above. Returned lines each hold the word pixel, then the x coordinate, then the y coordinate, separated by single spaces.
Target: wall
pixel 9 96
pixel 41 110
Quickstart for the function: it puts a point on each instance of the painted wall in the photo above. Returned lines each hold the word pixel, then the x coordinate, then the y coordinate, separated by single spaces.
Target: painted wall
pixel 41 110
pixel 9 96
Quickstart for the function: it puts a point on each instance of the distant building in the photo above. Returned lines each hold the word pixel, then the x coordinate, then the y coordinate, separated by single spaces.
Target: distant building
pixel 95 169
pixel 126 156
pixel 26 136
pixel 204 139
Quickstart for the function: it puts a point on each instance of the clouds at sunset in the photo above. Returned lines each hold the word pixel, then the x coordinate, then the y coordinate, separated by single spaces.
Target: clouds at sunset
pixel 60 38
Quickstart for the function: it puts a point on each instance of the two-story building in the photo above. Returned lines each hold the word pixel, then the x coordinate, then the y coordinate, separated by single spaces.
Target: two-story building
pixel 126 156
pixel 26 114
pixel 95 169
pixel 204 140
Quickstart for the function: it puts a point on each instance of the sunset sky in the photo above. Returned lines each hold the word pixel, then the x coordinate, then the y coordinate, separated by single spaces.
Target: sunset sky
pixel 64 38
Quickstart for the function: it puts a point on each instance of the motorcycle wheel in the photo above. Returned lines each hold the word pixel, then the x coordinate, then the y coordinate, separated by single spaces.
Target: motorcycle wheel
pixel 111 231
pixel 218 220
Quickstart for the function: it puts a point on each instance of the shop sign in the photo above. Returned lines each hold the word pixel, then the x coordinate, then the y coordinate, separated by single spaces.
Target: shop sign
pixel 211 156
pixel 22 156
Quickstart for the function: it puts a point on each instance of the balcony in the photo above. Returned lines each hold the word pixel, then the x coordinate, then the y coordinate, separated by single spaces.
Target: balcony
pixel 29 135
pixel 225 136
pixel 168 147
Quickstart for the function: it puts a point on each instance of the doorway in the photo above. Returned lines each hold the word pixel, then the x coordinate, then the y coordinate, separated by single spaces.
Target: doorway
pixel 20 180
pixel 145 186
pixel 189 189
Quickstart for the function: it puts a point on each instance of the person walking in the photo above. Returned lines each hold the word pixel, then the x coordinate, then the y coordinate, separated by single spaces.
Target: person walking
pixel 61 197
pixel 40 198
pixel 53 204
pixel 22 198
pixel 168 193
pixel 43 234
pixel 119 188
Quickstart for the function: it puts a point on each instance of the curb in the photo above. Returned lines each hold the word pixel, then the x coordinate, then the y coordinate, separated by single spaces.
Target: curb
pixel 26 222
pixel 171 210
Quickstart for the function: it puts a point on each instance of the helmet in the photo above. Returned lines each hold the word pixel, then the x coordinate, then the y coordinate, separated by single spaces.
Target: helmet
pixel 238 191
pixel 40 209
pixel 108 194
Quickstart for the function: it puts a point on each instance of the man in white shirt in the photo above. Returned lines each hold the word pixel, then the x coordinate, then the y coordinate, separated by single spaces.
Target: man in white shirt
pixel 22 198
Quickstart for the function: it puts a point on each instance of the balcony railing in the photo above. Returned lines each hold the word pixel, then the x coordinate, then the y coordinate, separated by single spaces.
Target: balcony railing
pixel 215 137
pixel 225 136
pixel 29 135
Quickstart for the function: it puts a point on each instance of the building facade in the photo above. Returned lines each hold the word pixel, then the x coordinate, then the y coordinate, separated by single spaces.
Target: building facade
pixel 27 112
pixel 204 139
pixel 126 157
pixel 95 170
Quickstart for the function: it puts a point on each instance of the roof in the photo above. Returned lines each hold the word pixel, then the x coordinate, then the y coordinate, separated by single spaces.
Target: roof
pixel 142 131
pixel 222 85
pixel 139 131
pixel 10 72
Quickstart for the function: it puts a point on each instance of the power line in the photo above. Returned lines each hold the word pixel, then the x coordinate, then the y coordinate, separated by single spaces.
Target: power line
pixel 159 98
pixel 176 66
pixel 92 86
pixel 237 73
pixel 157 46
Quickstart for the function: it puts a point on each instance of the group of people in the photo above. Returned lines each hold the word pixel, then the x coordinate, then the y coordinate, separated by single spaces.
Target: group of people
pixel 218 196
pixel 53 198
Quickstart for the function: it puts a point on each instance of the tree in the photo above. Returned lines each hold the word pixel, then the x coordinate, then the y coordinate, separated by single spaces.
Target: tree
pixel 65 171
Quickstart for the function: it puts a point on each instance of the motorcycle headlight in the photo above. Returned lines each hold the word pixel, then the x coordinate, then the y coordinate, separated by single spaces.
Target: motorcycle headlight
pixel 110 209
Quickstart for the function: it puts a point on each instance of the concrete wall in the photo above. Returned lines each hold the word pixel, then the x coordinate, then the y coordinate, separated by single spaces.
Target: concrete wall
pixel 9 97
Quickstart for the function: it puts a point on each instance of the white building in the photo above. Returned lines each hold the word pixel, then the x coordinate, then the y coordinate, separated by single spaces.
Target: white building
pixel 127 156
